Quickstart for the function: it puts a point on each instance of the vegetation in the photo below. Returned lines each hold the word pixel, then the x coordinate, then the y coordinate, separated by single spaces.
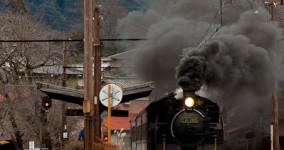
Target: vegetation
pixel 134 5
pixel 65 15
pixel 21 118
pixel 59 14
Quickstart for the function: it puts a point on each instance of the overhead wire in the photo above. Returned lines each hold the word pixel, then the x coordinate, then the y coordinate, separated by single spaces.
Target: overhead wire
pixel 136 25
pixel 203 40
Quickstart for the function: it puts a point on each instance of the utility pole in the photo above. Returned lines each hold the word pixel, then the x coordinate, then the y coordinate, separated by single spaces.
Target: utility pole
pixel 97 69
pixel 88 77
pixel 275 118
pixel 64 104
pixel 271 10
pixel 275 114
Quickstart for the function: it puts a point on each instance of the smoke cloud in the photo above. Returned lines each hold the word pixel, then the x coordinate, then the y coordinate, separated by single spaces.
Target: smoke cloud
pixel 240 66
pixel 235 64
pixel 170 26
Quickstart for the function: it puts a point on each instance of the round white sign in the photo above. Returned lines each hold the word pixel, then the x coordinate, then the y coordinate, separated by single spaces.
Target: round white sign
pixel 112 91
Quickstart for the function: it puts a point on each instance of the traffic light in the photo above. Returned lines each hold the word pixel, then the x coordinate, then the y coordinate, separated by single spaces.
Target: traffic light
pixel 105 138
pixel 46 103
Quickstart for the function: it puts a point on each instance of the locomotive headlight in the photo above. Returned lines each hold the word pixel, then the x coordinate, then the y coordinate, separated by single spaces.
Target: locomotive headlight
pixel 189 102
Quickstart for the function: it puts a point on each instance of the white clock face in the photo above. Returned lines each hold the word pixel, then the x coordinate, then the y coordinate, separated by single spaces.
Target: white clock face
pixel 112 91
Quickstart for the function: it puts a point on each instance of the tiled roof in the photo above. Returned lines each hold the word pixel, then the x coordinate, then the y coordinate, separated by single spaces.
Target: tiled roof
pixel 56 70
pixel 131 90
pixel 127 82
pixel 134 106
pixel 138 105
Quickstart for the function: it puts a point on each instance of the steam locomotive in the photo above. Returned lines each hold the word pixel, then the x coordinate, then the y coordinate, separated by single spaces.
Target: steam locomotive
pixel 177 124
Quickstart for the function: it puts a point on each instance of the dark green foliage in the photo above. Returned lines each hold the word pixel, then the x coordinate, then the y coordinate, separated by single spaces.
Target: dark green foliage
pixel 134 5
pixel 63 15
pixel 58 14
pixel 61 4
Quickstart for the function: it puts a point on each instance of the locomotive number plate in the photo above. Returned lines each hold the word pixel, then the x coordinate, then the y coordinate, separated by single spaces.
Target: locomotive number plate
pixel 189 120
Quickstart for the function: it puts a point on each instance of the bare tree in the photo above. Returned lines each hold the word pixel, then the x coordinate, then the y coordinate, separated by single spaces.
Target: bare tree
pixel 21 117
pixel 23 120
pixel 23 57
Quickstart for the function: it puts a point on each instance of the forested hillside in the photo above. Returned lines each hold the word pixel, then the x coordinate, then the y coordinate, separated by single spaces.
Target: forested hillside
pixel 65 15
pixel 59 14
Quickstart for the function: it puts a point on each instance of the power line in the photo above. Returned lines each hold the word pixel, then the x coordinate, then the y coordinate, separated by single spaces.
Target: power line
pixel 135 25
pixel 68 40
pixel 203 37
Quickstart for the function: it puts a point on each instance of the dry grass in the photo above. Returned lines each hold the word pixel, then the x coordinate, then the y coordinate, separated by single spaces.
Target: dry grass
pixel 96 146
pixel 104 146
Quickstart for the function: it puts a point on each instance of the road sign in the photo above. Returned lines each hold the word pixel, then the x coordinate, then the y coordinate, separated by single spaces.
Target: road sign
pixel 75 112
pixel 65 135
pixel 115 95
pixel 31 145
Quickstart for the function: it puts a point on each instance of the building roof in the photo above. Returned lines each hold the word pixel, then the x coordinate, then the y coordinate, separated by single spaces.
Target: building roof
pixel 127 82
pixel 56 70
pixel 134 106
pixel 124 55
pixel 74 69
pixel 131 90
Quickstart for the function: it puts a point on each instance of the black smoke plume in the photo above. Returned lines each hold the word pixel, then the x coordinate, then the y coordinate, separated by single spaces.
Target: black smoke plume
pixel 192 80
pixel 239 67
pixel 170 26
pixel 235 64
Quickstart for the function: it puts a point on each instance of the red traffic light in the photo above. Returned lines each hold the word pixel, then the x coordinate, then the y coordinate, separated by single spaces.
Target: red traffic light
pixel 105 138
pixel 46 102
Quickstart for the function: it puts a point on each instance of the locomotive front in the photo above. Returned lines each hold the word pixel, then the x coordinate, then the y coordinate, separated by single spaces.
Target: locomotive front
pixel 197 123
pixel 177 123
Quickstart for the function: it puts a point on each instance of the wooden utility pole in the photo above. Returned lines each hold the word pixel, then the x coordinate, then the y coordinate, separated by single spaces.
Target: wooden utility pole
pixel 271 10
pixel 275 119
pixel 64 104
pixel 88 76
pixel 276 145
pixel 97 69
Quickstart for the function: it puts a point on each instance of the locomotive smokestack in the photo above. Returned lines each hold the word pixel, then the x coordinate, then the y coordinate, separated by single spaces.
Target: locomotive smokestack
pixel 188 94
pixel 190 74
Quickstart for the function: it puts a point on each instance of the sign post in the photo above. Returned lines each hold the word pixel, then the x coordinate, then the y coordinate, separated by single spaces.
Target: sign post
pixel 113 94
pixel 108 114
